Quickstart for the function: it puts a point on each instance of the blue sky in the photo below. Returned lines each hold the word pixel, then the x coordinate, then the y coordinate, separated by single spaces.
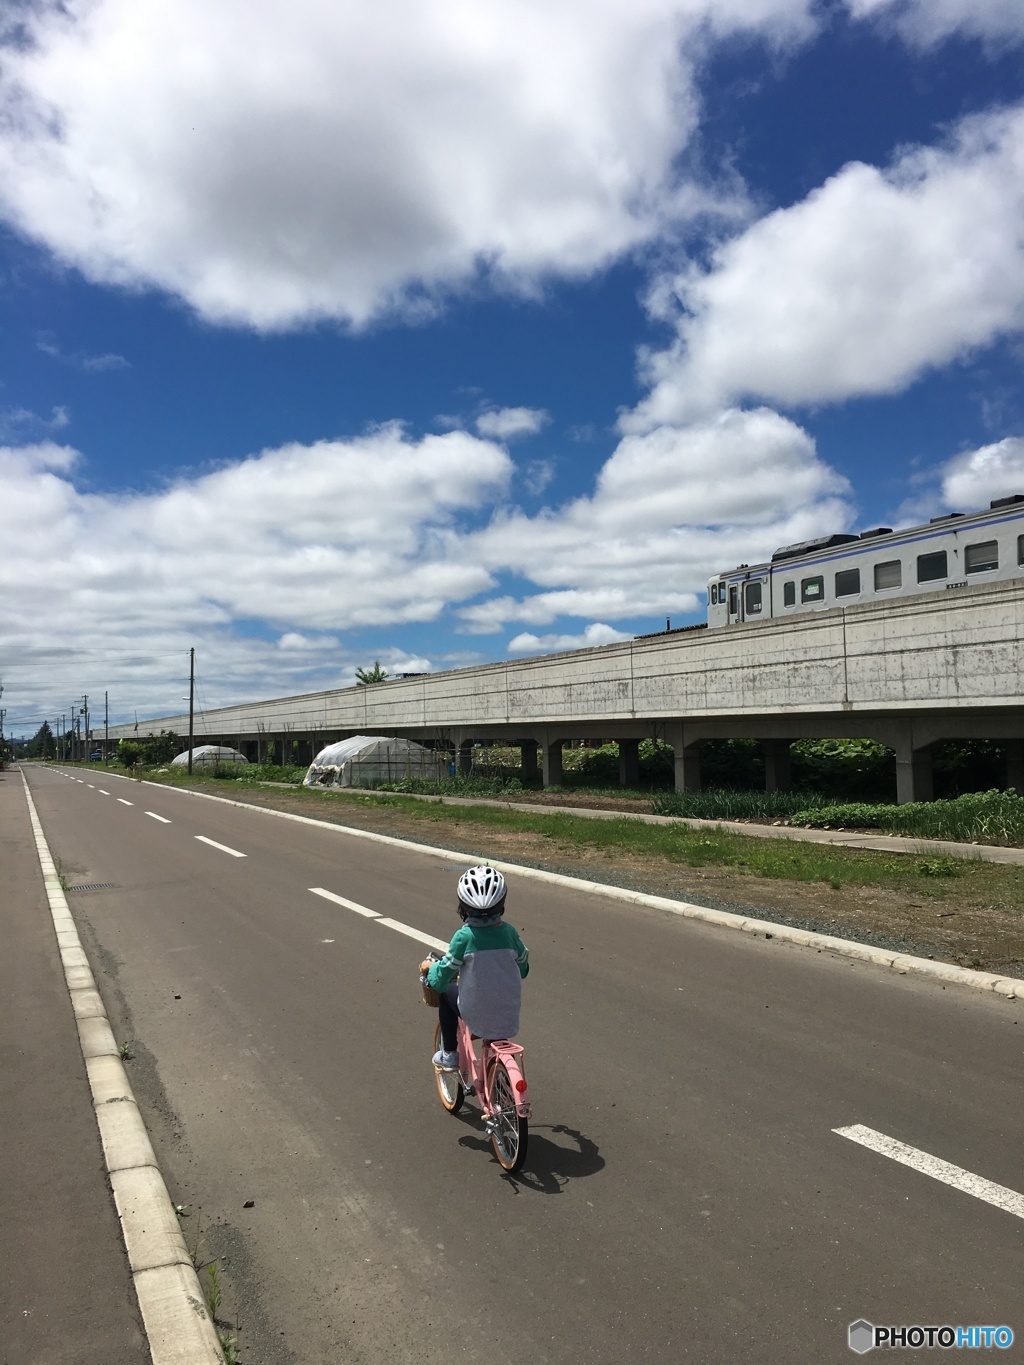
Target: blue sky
pixel 440 333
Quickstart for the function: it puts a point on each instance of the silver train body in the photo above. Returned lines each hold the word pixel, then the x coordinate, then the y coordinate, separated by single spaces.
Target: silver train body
pixel 952 551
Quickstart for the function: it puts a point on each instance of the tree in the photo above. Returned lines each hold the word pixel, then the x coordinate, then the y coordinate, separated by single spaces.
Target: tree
pixel 375 674
pixel 160 749
pixel 41 745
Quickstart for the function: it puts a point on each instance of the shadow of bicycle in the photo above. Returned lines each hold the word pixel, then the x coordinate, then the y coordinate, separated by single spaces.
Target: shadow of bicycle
pixel 550 1164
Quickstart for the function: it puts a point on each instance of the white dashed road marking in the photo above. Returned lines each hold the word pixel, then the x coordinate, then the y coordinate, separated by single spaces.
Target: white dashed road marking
pixel 418 934
pixel 91 786
pixel 340 900
pixel 162 818
pixel 395 924
pixel 102 792
pixel 124 802
pixel 223 847
pixel 1008 1200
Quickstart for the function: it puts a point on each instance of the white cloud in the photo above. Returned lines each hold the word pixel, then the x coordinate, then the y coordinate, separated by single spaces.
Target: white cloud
pixel 274 164
pixel 595 634
pixel 504 423
pixel 972 479
pixel 670 508
pixel 929 21
pixel 293 642
pixel 81 360
pixel 871 280
pixel 311 539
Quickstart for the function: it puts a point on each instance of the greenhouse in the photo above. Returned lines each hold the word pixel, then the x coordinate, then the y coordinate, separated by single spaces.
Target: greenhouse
pixel 209 756
pixel 370 760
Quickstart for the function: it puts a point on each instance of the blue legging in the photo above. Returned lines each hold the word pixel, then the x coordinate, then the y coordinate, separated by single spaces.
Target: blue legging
pixel 448 1012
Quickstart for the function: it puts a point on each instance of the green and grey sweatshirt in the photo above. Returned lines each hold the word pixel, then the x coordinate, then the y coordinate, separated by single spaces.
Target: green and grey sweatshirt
pixel 490 960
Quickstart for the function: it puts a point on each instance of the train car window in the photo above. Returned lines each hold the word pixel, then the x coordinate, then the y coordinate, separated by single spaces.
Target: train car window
pixel 978 558
pixel 733 600
pixel 848 582
pixel 889 575
pixel 752 598
pixel 931 567
pixel 812 589
pixel 1020 549
pixel 789 591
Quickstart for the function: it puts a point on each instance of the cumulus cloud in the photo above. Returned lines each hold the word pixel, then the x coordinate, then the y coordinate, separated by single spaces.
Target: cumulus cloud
pixel 276 164
pixel 670 508
pixel 595 634
pixel 926 22
pixel 871 280
pixel 504 423
pixel 973 478
pixel 311 539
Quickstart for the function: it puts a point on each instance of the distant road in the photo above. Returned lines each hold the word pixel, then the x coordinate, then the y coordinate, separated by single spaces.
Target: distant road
pixel 685 1196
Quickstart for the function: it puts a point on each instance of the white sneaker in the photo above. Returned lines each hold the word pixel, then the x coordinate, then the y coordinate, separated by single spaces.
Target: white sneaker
pixel 446 1061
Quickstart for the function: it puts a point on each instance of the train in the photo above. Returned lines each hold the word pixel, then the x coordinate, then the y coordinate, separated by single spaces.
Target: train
pixel 951 551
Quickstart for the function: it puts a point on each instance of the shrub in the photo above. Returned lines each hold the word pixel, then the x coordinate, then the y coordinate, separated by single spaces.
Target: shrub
pixel 716 804
pixel 992 817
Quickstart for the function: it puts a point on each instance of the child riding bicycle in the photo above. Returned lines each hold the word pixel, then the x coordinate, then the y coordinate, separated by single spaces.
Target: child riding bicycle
pixel 489 959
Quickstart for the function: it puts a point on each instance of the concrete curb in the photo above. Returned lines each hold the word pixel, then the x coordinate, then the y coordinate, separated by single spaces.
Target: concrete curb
pixel 1009 988
pixel 174 1312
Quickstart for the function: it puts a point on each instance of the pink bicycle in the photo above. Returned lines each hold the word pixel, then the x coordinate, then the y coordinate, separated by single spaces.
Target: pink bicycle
pixel 495 1077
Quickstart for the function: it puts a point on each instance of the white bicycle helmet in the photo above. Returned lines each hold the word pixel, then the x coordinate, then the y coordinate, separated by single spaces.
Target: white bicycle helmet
pixel 483 889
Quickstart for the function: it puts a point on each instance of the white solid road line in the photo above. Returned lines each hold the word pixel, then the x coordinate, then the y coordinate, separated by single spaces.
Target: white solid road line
pixel 395 924
pixel 124 802
pixel 178 1327
pixel 223 847
pixel 340 900
pixel 162 818
pixel 1008 1200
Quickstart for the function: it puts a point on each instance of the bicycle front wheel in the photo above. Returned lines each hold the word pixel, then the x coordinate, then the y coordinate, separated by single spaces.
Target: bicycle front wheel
pixel 509 1132
pixel 449 1083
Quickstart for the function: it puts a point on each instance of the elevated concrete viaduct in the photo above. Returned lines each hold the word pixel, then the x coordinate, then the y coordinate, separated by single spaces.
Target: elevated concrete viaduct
pixel 918 670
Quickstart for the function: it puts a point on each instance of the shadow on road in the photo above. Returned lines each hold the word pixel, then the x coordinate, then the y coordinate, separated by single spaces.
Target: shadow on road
pixel 549 1165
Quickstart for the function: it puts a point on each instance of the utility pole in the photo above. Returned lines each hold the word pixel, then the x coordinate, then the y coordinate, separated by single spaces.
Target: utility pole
pixel 106 727
pixel 191 704
pixel 85 712
pixel 74 748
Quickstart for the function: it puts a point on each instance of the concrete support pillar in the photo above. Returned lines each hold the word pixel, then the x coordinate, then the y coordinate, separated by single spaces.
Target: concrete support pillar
pixel 629 762
pixel 551 755
pixel 466 757
pixel 1015 765
pixel 530 767
pixel 777 771
pixel 687 760
pixel 913 774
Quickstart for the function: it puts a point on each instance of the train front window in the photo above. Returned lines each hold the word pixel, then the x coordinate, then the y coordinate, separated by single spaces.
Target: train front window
pixel 714 594
pixel 812 589
pixel 848 582
pixel 978 558
pixel 931 567
pixel 888 575
pixel 752 599
pixel 789 591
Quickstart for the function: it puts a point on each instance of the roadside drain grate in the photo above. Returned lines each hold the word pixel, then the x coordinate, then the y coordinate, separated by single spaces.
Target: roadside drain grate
pixel 93 886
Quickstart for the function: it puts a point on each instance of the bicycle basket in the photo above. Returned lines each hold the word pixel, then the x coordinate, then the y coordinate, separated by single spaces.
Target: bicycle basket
pixel 430 996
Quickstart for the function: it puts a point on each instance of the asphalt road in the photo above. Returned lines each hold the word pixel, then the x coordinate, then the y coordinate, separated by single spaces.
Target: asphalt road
pixel 685 1196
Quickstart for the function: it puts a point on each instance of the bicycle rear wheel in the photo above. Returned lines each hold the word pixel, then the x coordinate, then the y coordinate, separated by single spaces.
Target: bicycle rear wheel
pixel 449 1083
pixel 509 1132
